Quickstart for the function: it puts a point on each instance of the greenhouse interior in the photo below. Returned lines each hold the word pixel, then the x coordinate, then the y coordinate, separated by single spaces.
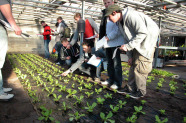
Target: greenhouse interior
pixel 93 61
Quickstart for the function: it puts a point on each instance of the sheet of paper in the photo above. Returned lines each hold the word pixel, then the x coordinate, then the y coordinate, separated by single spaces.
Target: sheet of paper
pixel 101 43
pixel 94 61
pixel 94 36
pixel 114 54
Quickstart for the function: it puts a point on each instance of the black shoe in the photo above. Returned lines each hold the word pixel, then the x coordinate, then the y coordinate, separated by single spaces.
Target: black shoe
pixel 136 95
pixel 124 90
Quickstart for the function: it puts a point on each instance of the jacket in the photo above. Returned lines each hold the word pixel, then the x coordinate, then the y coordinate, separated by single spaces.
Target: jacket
pixel 47 32
pixel 102 28
pixel 72 52
pixel 100 53
pixel 59 32
pixel 140 32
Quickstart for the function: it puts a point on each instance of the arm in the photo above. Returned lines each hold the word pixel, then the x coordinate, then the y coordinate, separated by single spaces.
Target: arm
pixel 6 10
pixel 114 33
pixel 75 38
pixel 93 24
pixel 138 27
pixel 62 55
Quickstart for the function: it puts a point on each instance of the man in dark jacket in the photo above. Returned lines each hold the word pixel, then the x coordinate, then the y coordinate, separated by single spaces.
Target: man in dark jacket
pixel 69 55
pixel 47 38
pixel 94 72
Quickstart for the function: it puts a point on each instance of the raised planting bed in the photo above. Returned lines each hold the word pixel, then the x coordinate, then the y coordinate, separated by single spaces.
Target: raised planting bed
pixel 76 98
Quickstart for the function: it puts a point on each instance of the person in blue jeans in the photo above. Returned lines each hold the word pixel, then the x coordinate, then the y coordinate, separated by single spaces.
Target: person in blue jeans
pixel 6 15
pixel 47 38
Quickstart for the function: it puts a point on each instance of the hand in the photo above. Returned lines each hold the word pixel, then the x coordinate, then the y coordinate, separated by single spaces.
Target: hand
pixel 68 57
pixel 98 58
pixel 97 35
pixel 130 61
pixel 65 73
pixel 123 47
pixel 17 30
pixel 106 38
pixel 68 46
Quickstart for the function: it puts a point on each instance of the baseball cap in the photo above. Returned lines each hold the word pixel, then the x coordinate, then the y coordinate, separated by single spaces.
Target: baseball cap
pixel 111 8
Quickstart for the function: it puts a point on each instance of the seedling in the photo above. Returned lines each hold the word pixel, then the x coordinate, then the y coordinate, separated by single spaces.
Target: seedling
pixel 127 96
pixel 108 96
pixel 45 114
pixel 56 98
pixel 104 87
pixel 107 118
pixel 89 93
pixel 50 92
pixel 65 107
pixel 98 90
pixel 138 110
pixel 143 102
pixel 162 112
pixel 71 93
pixel 132 119
pixel 80 88
pixel 114 108
pixel 75 116
pixel 121 104
pixel 158 120
pixel 66 81
pixel 79 100
pixel 90 107
pixel 88 86
pixel 73 85
pixel 100 100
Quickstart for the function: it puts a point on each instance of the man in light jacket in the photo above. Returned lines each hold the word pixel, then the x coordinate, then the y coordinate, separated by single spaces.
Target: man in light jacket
pixel 140 33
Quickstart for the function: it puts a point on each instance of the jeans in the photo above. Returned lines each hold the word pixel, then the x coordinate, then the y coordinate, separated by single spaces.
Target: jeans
pixel 3 50
pixel 46 43
pixel 68 62
pixel 114 68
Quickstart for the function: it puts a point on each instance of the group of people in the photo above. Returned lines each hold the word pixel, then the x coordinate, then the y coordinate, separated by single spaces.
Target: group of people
pixel 124 30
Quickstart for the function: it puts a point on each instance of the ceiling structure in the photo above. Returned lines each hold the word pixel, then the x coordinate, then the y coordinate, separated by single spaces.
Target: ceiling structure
pixel 172 13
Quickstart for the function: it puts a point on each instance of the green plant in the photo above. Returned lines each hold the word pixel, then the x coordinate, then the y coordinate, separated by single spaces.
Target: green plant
pixel 143 102
pixel 108 96
pixel 90 107
pixel 88 86
pixel 158 120
pixel 132 119
pixel 65 107
pixel 73 85
pixel 100 100
pixel 114 108
pixel 66 81
pixel 138 110
pixel 50 92
pixel 162 112
pixel 107 118
pixel 184 120
pixel 80 88
pixel 75 116
pixel 56 98
pixel 79 100
pixel 127 96
pixel 121 104
pixel 45 114
pixel 98 90
pixel 89 93
pixel 71 93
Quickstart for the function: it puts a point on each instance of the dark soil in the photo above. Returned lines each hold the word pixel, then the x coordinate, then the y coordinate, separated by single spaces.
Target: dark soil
pixel 15 111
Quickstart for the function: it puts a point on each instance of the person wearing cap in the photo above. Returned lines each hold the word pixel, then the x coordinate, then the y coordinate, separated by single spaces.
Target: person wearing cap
pixel 140 34
pixel 112 34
